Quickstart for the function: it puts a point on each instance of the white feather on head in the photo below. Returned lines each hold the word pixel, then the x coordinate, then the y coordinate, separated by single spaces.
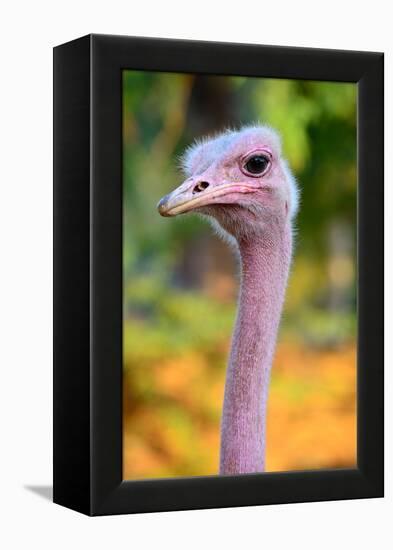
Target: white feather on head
pixel 203 152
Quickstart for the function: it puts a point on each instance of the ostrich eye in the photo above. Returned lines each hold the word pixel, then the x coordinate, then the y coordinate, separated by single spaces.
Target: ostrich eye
pixel 257 165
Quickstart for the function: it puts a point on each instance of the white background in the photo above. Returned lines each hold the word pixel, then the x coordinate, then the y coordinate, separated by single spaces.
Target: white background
pixel 29 30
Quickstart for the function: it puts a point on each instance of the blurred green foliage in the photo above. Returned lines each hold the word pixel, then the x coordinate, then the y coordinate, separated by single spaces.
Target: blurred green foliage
pixel 163 113
pixel 179 280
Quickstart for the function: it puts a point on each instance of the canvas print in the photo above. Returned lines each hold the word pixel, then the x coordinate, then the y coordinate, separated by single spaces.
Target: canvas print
pixel 239 275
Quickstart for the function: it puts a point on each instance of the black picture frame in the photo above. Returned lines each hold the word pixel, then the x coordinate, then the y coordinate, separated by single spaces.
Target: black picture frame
pixel 88 275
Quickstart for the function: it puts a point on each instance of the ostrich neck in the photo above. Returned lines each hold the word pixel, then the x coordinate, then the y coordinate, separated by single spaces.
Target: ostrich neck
pixel 264 271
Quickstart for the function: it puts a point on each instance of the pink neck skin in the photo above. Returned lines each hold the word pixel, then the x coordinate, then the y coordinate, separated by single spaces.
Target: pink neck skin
pixel 265 265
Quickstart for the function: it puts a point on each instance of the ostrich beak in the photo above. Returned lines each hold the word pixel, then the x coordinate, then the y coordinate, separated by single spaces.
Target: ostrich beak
pixel 195 193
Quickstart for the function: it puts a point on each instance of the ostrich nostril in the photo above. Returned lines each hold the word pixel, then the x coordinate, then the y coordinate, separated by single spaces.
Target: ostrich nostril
pixel 201 186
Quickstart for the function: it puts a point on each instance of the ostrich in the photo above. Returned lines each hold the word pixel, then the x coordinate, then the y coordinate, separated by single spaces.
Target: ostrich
pixel 241 182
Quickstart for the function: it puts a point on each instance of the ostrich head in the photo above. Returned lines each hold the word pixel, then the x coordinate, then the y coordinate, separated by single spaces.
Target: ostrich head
pixel 240 180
